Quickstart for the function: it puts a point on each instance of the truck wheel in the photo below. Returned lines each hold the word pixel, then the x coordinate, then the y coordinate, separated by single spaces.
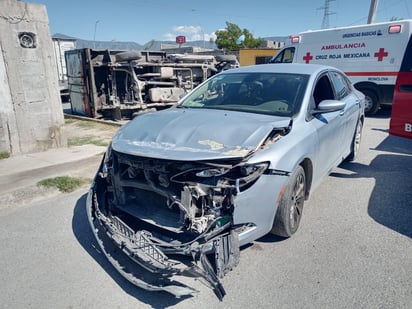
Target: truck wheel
pixel 372 102
pixel 128 56
pixel 116 113
pixel 290 208
pixel 225 58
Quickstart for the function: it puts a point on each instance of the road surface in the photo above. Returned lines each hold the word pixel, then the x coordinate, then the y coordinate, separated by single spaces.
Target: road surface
pixel 353 248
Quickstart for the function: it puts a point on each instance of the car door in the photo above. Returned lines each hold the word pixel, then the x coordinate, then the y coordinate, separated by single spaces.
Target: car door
pixel 328 127
pixel 350 115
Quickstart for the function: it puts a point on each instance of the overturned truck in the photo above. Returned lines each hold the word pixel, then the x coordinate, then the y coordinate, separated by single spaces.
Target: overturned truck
pixel 119 84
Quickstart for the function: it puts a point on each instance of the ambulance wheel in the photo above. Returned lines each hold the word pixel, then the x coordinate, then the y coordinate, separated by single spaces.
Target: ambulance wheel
pixel 372 102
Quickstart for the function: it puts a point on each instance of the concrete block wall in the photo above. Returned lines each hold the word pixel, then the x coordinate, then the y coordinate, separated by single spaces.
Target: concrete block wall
pixel 31 115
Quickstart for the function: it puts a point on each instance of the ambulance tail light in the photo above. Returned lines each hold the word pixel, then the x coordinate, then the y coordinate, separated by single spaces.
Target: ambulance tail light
pixel 294 38
pixel 395 29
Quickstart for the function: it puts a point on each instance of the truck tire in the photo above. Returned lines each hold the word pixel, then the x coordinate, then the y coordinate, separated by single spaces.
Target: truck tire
pixel 128 56
pixel 372 101
pixel 116 113
pixel 225 58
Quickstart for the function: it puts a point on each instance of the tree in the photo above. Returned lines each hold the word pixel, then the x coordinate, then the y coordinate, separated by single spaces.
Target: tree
pixel 233 38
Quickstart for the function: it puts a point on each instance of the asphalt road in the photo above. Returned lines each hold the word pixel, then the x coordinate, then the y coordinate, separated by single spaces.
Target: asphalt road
pixel 353 248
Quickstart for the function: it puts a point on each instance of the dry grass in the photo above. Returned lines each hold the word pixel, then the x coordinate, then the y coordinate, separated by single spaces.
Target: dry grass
pixel 81 132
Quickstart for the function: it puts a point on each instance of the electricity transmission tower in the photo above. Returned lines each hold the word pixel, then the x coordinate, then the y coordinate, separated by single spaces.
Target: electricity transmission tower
pixel 327 12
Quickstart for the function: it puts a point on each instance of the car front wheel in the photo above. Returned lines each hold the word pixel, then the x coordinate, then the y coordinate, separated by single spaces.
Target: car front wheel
pixel 290 208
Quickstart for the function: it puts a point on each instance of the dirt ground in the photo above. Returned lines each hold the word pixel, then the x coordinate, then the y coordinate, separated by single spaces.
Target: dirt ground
pixel 82 131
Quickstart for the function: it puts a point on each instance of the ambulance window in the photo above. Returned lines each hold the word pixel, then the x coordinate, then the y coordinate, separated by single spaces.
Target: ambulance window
pixel 285 56
pixel 340 85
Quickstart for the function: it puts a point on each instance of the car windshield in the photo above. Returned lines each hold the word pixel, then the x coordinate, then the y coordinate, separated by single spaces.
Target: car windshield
pixel 277 94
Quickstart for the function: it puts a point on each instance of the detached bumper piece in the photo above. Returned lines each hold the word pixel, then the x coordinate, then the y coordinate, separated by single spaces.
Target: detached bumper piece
pixel 157 265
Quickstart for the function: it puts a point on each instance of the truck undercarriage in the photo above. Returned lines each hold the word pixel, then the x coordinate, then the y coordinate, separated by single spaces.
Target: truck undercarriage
pixel 120 84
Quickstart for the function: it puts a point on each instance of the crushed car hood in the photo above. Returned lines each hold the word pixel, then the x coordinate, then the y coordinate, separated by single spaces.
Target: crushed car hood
pixel 200 134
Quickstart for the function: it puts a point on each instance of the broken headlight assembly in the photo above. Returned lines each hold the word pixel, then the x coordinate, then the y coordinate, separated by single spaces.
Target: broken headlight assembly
pixel 240 175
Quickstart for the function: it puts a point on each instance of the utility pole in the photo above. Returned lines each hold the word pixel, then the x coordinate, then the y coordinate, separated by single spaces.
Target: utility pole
pixel 94 35
pixel 372 11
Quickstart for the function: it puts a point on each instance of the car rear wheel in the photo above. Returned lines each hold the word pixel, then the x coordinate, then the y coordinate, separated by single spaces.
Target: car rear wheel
pixel 356 142
pixel 290 208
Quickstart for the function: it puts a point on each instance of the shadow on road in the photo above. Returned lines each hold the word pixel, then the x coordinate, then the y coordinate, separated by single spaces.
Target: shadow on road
pixel 270 238
pixel 383 113
pixel 390 203
pixel 85 237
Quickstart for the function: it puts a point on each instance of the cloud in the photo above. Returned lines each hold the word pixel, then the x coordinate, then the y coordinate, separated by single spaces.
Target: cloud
pixel 187 29
pixel 169 36
pixel 192 33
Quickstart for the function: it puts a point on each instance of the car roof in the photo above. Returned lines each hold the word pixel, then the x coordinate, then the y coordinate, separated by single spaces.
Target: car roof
pixel 296 68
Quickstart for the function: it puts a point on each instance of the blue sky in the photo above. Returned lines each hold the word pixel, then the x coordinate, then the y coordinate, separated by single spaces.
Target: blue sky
pixel 143 20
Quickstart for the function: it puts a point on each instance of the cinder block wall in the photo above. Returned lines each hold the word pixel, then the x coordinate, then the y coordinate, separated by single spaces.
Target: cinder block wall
pixel 31 115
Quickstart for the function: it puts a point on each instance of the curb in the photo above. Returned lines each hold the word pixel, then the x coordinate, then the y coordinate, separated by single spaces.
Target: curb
pixel 19 175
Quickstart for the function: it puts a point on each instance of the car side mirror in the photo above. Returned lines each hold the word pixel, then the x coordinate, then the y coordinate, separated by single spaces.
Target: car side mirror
pixel 328 106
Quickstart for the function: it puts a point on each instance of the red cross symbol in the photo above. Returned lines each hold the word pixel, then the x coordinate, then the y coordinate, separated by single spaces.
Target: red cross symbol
pixel 381 54
pixel 308 57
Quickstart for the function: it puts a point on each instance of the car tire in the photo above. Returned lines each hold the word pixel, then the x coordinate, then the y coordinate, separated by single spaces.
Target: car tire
pixel 290 208
pixel 357 137
pixel 372 102
pixel 128 56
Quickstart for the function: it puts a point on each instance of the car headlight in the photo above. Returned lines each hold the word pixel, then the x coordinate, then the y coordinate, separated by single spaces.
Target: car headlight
pixel 213 172
pixel 237 176
pixel 235 172
pixel 257 168
pixel 106 162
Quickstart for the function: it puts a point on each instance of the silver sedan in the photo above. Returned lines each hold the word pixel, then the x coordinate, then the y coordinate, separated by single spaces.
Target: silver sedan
pixel 180 190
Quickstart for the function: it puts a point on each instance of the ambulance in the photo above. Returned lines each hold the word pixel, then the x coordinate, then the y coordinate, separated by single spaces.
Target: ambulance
pixel 371 55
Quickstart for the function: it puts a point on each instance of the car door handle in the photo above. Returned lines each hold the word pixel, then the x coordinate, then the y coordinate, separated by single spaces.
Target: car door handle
pixel 341 113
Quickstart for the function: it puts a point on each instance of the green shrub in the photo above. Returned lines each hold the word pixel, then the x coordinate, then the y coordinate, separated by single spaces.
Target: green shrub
pixel 4 155
pixel 64 183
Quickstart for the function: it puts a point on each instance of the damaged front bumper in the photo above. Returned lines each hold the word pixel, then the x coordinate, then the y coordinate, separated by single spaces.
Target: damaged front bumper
pixel 164 266
pixel 162 222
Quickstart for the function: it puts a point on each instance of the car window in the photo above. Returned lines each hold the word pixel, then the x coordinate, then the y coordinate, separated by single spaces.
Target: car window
pixel 265 93
pixel 340 85
pixel 323 90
